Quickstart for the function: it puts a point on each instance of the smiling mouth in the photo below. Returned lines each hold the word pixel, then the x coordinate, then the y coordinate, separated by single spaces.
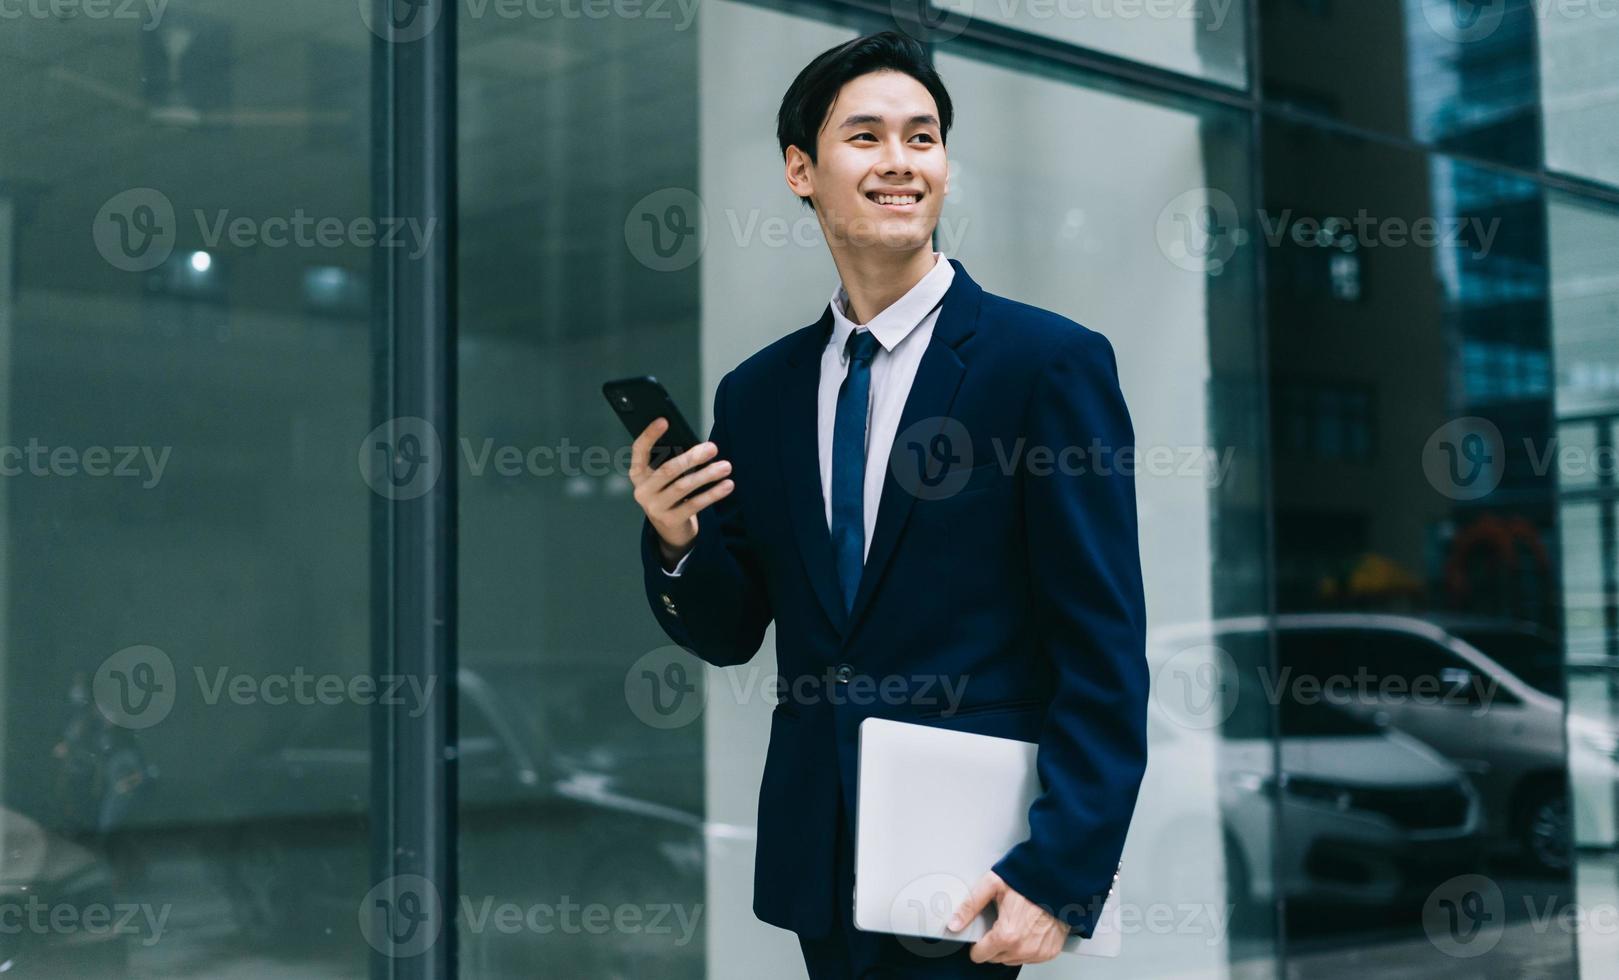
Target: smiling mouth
pixel 894 202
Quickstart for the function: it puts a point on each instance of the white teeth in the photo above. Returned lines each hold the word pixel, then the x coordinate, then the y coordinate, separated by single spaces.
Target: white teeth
pixel 896 198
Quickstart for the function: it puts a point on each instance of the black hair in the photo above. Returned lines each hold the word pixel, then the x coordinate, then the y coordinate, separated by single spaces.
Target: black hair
pixel 809 98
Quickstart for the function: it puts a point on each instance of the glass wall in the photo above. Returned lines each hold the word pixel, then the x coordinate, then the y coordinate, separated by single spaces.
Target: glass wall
pixel 580 809
pixel 1419 467
pixel 1521 82
pixel 1203 38
pixel 1356 260
pixel 187 238
pixel 1578 98
pixel 1582 243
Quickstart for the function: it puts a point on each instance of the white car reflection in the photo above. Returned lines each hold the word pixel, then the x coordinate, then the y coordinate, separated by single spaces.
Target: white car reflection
pixel 43 874
pixel 1334 809
pixel 1497 714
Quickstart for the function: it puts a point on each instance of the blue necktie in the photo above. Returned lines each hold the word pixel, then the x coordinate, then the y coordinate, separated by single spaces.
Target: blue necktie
pixel 849 464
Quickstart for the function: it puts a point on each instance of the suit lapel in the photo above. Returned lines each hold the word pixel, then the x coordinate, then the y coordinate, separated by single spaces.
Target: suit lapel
pixel 932 394
pixel 801 467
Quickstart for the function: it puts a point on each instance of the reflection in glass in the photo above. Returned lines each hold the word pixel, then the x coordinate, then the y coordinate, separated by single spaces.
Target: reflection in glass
pixel 1520 82
pixel 183 616
pixel 1580 104
pixel 1419 579
pixel 1205 38
pixel 1583 243
pixel 577 817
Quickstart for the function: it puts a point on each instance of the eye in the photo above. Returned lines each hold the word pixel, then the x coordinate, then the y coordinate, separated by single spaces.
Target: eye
pixel 926 136
pixel 858 135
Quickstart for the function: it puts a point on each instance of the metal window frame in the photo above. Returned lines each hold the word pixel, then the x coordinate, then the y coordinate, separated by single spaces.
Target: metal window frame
pixel 414 550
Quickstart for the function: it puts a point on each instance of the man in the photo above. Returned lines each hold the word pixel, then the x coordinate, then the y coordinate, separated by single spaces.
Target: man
pixel 888 496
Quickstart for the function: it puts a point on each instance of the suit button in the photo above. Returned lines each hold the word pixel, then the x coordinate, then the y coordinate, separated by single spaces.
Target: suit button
pixel 844 673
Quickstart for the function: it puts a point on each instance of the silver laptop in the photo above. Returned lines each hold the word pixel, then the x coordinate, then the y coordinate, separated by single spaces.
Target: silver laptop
pixel 937 809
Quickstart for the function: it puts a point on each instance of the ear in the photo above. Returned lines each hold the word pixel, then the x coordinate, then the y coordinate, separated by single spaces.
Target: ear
pixel 800 172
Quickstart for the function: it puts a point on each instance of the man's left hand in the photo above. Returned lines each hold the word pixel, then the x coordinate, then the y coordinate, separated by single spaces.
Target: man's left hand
pixel 1023 933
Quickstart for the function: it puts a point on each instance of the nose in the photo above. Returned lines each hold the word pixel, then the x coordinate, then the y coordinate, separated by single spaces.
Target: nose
pixel 896 160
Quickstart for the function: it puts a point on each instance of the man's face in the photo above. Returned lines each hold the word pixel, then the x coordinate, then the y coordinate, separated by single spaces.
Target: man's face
pixel 881 174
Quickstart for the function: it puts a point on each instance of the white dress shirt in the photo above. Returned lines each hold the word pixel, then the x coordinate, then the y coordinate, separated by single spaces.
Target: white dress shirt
pixel 903 331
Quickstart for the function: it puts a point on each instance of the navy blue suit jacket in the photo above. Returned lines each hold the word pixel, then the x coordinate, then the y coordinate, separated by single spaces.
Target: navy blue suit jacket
pixel 1021 589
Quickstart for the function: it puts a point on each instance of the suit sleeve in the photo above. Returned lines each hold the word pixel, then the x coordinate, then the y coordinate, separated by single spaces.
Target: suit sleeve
pixel 717 607
pixel 1090 617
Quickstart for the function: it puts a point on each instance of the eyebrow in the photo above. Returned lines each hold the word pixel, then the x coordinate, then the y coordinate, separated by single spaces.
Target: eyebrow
pixel 866 119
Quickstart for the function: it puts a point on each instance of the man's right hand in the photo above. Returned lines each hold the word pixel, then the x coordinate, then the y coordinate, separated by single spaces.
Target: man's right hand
pixel 660 491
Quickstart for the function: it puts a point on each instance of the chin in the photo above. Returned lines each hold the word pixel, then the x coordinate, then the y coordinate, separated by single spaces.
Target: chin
pixel 898 234
pixel 905 236
pixel 864 230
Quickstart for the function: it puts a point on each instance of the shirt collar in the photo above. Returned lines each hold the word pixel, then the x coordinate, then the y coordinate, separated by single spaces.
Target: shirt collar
pixel 895 323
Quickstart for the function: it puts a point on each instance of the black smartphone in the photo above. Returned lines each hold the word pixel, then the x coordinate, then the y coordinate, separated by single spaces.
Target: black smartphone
pixel 638 402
